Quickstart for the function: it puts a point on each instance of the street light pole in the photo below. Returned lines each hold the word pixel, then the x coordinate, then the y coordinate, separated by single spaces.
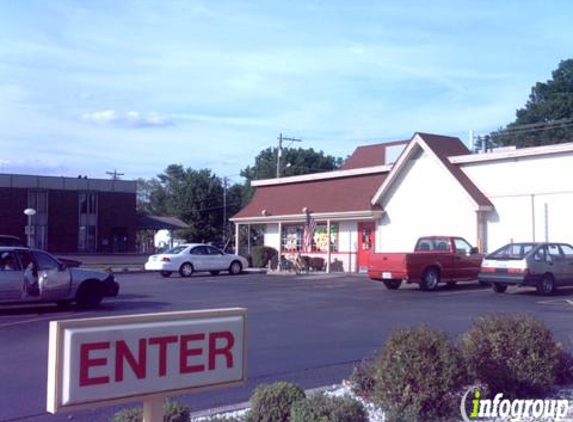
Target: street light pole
pixel 30 212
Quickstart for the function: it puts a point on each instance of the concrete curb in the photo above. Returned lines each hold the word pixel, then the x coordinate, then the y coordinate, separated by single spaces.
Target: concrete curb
pixel 216 411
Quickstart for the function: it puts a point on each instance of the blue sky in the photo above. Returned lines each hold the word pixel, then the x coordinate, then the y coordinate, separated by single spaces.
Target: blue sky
pixel 91 86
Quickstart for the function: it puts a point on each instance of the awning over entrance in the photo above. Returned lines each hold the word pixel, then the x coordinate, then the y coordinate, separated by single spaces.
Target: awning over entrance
pixel 153 222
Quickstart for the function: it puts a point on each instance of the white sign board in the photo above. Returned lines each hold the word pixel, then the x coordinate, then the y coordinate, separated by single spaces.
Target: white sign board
pixel 101 361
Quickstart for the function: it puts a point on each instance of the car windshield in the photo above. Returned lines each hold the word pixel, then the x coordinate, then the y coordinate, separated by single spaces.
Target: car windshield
pixel 175 250
pixel 512 251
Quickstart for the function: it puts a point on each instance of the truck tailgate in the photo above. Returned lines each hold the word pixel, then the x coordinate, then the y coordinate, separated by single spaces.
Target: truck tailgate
pixel 387 266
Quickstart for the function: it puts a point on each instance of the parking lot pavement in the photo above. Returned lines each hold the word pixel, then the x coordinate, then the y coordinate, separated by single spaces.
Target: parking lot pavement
pixel 306 329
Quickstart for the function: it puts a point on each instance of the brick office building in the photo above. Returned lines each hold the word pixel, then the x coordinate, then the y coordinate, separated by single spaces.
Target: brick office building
pixel 72 214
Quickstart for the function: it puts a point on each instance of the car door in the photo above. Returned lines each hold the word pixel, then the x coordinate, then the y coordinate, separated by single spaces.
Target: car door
pixel 567 252
pixel 556 264
pixel 53 278
pixel 11 277
pixel 466 263
pixel 218 259
pixel 199 258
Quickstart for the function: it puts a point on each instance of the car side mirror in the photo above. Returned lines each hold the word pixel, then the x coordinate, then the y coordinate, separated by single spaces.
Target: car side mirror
pixel 474 250
pixel 62 266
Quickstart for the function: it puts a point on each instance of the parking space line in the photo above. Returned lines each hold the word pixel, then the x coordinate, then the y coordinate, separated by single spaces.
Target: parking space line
pixel 46 318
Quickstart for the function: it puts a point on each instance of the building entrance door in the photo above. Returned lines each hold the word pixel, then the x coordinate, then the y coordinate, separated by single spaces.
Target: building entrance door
pixel 366 242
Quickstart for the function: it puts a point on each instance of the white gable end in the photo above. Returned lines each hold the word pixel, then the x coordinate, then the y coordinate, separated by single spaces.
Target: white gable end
pixel 424 199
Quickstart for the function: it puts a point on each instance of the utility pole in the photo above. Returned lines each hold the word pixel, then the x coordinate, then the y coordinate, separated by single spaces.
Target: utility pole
pixel 280 150
pixel 225 209
pixel 114 174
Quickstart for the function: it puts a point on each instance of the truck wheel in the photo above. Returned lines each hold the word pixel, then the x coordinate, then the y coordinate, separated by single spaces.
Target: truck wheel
pixel 546 286
pixel 89 295
pixel 392 284
pixel 430 279
pixel 499 288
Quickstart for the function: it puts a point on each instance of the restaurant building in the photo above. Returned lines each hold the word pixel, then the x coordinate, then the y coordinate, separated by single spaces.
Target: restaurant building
pixel 436 186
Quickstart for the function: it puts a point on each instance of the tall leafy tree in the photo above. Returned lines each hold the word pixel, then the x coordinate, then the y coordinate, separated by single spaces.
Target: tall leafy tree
pixel 547 117
pixel 194 196
pixel 294 161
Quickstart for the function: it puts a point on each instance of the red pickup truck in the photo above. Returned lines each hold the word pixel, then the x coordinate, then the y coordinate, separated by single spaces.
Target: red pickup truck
pixel 436 259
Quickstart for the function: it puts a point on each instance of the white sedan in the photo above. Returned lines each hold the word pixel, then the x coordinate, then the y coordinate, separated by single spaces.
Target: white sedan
pixel 194 257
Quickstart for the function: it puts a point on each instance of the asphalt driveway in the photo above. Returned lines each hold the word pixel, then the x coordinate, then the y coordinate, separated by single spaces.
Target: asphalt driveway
pixel 307 329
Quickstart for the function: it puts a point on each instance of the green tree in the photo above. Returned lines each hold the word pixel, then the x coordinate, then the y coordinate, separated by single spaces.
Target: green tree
pixel 294 161
pixel 194 196
pixel 547 117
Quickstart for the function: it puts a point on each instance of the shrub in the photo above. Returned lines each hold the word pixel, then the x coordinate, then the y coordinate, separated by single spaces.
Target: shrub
pixel 272 402
pixel 174 412
pixel 565 369
pixel 322 408
pixel 363 380
pixel 261 255
pixel 515 355
pixel 316 263
pixel 418 376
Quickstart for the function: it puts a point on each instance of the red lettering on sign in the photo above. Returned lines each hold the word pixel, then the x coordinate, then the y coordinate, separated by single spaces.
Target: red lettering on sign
pixel 163 342
pixel 86 363
pixel 122 352
pixel 185 352
pixel 225 350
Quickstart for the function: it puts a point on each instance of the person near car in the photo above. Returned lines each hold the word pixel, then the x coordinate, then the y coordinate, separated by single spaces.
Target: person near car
pixel 31 282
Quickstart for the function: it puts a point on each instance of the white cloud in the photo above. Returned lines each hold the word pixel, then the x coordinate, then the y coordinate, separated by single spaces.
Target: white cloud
pixel 130 119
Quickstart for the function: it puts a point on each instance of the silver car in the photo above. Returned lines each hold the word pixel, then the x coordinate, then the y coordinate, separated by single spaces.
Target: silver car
pixel 545 266
pixel 35 276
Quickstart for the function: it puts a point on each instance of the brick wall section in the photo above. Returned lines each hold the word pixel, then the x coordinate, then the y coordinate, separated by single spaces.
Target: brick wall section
pixel 62 221
pixel 116 211
pixel 13 202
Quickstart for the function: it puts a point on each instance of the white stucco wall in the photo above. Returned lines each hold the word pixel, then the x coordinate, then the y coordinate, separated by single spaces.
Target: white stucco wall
pixel 532 196
pixel 424 200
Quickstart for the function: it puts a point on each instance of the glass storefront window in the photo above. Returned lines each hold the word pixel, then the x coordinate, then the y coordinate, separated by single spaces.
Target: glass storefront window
pixel 292 238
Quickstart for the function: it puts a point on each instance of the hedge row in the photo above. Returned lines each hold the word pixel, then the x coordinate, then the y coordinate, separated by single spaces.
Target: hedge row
pixel 420 374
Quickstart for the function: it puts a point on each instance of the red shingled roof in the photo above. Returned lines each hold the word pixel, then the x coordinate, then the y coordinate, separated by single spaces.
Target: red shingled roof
pixel 369 155
pixel 331 195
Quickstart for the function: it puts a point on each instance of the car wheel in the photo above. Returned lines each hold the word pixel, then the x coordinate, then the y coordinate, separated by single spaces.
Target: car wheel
pixel 235 268
pixel 430 279
pixel 165 273
pixel 214 272
pixel 89 295
pixel 392 284
pixel 546 286
pixel 186 270
pixel 499 288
